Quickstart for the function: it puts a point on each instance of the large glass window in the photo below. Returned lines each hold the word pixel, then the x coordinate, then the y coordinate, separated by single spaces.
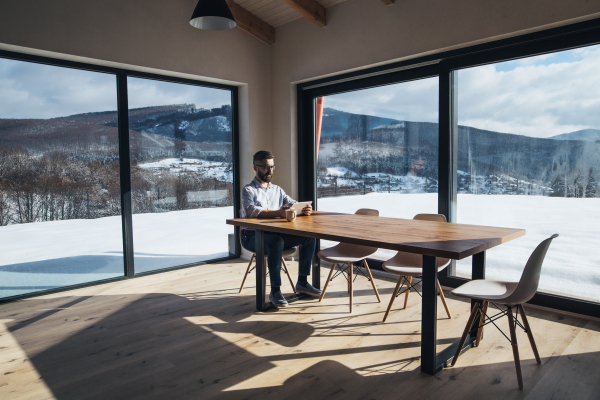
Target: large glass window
pixel 60 218
pixel 378 148
pixel 529 157
pixel 181 172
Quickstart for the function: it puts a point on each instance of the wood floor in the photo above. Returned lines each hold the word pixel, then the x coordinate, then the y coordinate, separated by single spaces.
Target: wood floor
pixel 188 334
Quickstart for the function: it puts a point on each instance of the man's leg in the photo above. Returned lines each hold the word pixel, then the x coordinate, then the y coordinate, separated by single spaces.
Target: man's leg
pixel 307 250
pixel 274 249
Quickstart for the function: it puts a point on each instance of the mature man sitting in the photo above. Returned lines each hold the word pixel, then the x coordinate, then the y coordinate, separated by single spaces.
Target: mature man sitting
pixel 262 199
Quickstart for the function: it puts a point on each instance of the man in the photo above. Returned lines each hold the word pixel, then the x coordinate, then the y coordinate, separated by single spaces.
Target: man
pixel 262 199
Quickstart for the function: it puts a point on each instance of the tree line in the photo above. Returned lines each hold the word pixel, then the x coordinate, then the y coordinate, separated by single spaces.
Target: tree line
pixel 54 186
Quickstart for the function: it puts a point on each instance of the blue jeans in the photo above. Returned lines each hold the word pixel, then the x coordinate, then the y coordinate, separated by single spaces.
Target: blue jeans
pixel 274 245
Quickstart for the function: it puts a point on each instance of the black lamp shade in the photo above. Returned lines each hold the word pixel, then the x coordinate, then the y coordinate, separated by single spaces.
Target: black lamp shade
pixel 212 15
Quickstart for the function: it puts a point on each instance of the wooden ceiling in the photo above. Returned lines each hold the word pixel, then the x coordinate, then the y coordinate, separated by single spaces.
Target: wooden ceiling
pixel 261 17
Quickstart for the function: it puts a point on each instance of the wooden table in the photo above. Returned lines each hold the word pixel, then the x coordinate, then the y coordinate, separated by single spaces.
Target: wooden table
pixel 429 238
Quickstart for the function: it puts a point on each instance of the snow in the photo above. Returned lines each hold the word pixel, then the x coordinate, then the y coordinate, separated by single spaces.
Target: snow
pixel 51 254
pixel 58 253
pixel 570 267
pixel 210 169
pixel 341 171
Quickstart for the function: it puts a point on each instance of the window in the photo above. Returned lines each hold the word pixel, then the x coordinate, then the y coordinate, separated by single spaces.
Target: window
pixel 378 148
pixel 529 157
pixel 518 146
pixel 60 211
pixel 181 141
pixel 62 145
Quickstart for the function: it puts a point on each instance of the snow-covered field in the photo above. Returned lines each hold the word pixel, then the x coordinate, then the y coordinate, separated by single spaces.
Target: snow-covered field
pixel 209 169
pixel 50 254
pixel 571 266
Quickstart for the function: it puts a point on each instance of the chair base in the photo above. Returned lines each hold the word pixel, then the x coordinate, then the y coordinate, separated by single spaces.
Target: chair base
pixel 409 285
pixel 283 267
pixel 480 309
pixel 348 271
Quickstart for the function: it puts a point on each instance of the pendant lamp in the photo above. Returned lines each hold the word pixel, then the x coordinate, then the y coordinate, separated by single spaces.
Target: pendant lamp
pixel 212 15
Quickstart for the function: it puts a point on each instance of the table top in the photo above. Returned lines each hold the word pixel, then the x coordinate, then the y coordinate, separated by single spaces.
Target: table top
pixel 439 239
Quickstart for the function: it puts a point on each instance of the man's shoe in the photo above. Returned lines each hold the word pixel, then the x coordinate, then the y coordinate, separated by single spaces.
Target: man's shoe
pixel 278 300
pixel 308 289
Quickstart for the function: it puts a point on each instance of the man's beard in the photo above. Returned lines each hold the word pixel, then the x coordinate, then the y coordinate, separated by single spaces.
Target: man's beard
pixel 264 177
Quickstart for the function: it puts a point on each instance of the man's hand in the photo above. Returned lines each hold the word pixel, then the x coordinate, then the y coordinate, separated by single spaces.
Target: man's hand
pixel 307 210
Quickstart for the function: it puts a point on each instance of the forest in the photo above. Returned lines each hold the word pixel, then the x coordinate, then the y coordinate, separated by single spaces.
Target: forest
pixel 68 168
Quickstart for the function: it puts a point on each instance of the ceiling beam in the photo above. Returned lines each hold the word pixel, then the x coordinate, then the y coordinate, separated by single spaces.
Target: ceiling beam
pixel 388 2
pixel 250 23
pixel 310 9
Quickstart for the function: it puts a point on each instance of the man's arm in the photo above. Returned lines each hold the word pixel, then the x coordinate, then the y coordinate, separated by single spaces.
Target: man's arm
pixel 287 200
pixel 251 210
pixel 274 213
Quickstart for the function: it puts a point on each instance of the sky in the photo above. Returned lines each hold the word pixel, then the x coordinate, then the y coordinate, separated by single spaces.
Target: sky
pixel 538 96
pixel 29 90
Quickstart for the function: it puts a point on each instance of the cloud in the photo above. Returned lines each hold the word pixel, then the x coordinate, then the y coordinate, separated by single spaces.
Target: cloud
pixel 538 96
pixel 29 90
pixel 410 101
pixel 539 100
pixel 147 93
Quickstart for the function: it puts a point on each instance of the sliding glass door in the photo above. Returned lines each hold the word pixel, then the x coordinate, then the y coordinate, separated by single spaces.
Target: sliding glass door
pixel 181 139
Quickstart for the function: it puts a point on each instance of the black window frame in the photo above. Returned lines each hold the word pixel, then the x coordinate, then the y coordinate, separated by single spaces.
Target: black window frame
pixel 121 75
pixel 446 64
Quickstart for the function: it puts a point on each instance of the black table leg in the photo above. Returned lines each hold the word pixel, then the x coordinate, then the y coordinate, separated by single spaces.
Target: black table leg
pixel 477 272
pixel 316 267
pixel 429 363
pixel 261 276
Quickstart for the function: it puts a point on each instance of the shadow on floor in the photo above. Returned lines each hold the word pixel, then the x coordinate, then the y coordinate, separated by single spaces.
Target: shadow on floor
pixel 148 348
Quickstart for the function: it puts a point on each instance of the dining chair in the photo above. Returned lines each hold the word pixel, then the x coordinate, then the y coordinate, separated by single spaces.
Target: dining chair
pixel 409 265
pixel 511 295
pixel 348 254
pixel 286 253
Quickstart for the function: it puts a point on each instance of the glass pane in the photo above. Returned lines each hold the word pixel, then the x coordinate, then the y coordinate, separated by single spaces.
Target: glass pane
pixel 60 206
pixel 181 173
pixel 529 157
pixel 378 148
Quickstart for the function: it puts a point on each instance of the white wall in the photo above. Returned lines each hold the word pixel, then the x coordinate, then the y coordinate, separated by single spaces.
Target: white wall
pixel 152 36
pixel 363 33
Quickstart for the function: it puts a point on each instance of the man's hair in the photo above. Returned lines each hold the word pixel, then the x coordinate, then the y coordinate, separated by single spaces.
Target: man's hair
pixel 262 155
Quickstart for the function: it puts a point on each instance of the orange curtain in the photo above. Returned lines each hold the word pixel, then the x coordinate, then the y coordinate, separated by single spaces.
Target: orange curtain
pixel 320 101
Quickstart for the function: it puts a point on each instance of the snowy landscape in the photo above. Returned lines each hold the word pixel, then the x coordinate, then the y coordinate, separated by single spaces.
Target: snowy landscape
pixel 76 251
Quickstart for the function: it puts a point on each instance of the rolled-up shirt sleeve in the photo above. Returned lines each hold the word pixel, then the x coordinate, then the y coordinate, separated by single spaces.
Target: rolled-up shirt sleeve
pixel 249 206
pixel 286 200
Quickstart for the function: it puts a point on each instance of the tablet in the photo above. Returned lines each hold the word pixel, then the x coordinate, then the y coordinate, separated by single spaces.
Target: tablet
pixel 300 205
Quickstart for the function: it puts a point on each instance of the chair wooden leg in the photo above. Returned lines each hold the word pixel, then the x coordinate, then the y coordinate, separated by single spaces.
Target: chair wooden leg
pixel 396 290
pixel 481 323
pixel 350 271
pixel 327 281
pixel 288 274
pixel 247 272
pixel 529 334
pixel 372 280
pixel 408 281
pixel 444 300
pixel 463 338
pixel 515 347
